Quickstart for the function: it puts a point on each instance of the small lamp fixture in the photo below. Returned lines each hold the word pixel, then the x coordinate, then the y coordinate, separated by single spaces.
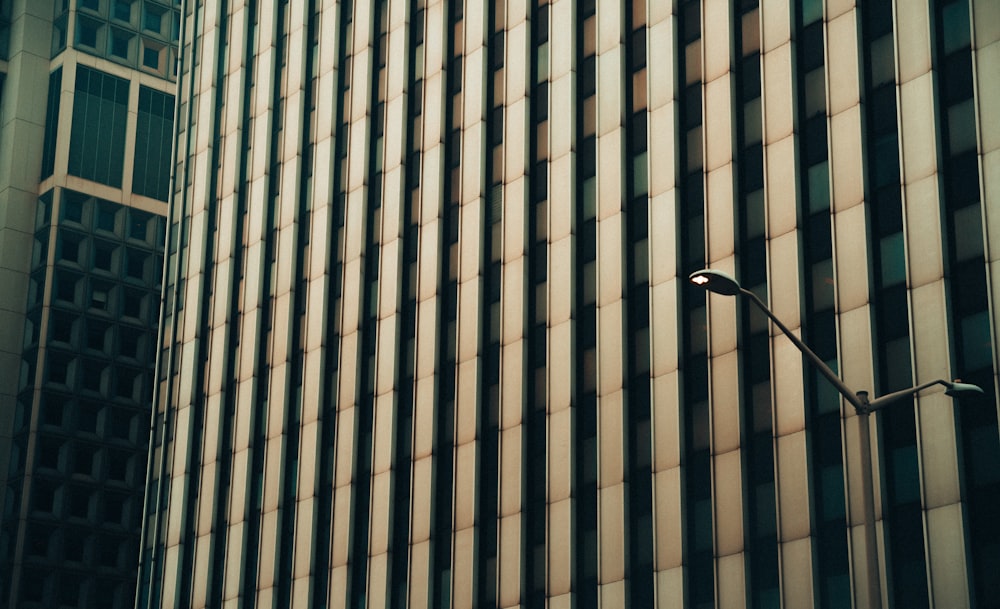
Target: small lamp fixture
pixel 715 281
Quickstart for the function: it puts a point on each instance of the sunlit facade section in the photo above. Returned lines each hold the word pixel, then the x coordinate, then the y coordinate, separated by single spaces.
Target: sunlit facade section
pixel 428 339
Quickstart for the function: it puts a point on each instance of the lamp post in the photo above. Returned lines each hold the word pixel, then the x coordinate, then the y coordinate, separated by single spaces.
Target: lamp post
pixel 721 283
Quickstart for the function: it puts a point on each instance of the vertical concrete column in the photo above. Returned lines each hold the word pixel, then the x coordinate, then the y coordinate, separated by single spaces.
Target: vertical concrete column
pixel 427 332
pixel 357 116
pixel 791 471
pixel 664 286
pixel 559 294
pixel 611 306
pixel 470 298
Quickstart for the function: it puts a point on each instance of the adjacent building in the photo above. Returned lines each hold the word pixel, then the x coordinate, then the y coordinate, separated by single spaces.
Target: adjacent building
pixel 427 337
pixel 86 123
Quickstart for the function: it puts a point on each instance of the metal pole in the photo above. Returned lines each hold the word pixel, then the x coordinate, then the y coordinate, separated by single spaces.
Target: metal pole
pixel 868 496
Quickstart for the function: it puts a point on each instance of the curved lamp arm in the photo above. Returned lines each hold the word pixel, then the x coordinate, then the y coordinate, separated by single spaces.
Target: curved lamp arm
pixel 952 389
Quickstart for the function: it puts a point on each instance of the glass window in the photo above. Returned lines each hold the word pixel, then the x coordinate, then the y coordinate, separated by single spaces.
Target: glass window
pixel 883 61
pixel 99 296
pixel 65 287
pixel 750 32
pixel 59 33
pixel 154 133
pixel 132 302
pixel 104 256
pixel 51 123
pixel 819 188
pixel 892 259
pixel 152 18
pixel 70 245
pixel 899 374
pixel 812 10
pixel 962 127
pixel 97 137
pixel 977 351
pixel 955 27
pixel 968 233
pixel 122 10
pixel 87 32
pixel 96 332
pixel 119 43
pixel 151 56
pixel 105 216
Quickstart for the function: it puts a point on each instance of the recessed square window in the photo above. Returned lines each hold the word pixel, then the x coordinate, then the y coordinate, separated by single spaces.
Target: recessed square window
pixel 58 368
pixel 151 57
pixel 119 45
pixel 104 256
pixel 114 505
pixel 65 288
pixel 137 225
pixel 93 373
pixel 69 249
pixel 121 424
pixel 74 544
pixel 122 10
pixel 53 409
pixel 136 264
pixel 87 31
pixel 79 502
pixel 49 449
pixel 44 496
pixel 152 18
pixel 72 207
pixel 106 217
pixel 132 303
pixel 59 29
pixel 99 298
pixel 126 389
pixel 83 459
pixel 96 332
pixel 86 417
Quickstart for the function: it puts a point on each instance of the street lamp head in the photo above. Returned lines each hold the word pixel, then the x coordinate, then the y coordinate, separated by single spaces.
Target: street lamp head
pixel 715 281
pixel 957 389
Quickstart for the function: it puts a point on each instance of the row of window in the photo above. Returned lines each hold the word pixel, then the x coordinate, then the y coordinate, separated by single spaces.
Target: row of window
pixel 139 33
pixel 98 132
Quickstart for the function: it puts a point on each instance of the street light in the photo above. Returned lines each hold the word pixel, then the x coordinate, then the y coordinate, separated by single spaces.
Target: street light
pixel 721 283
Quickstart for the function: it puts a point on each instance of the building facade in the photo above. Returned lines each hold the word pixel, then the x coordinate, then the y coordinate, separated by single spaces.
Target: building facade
pixel 86 123
pixel 427 337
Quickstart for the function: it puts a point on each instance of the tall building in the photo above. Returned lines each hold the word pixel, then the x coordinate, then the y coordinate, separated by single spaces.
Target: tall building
pixel 86 123
pixel 428 340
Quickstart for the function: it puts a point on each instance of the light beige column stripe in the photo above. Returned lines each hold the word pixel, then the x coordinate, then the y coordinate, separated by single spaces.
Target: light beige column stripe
pixel 788 399
pixel 216 338
pixel 386 355
pixel 197 196
pixel 855 357
pixel 319 308
pixel 922 219
pixel 362 60
pixel 470 297
pixel 281 397
pixel 611 306
pixel 664 285
pixel 517 40
pixel 427 334
pixel 724 398
pixel 560 288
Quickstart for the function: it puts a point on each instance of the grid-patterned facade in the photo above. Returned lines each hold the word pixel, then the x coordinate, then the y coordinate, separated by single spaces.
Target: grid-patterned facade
pixel 85 164
pixel 428 339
